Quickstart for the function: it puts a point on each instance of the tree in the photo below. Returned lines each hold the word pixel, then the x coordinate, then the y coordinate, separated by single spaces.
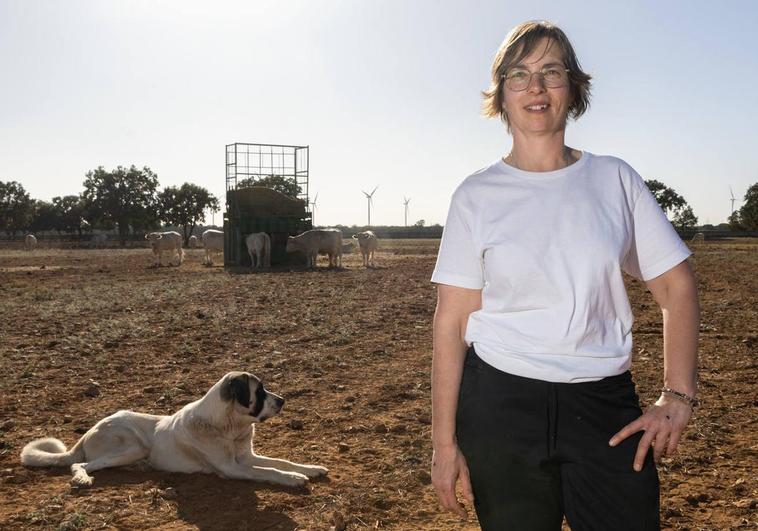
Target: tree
pixel 186 206
pixel 281 184
pixel 673 204
pixel 685 218
pixel 16 208
pixel 44 217
pixel 749 211
pixel 124 197
pixel 420 223
pixel 70 210
pixel 735 223
pixel 666 197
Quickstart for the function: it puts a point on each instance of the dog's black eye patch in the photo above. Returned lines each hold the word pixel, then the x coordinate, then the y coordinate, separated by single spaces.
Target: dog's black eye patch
pixel 237 389
pixel 260 400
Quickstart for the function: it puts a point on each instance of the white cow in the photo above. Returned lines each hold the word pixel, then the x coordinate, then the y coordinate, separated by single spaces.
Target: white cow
pixel 259 248
pixel 165 241
pixel 368 243
pixel 193 242
pixel 30 242
pixel 699 237
pixel 213 241
pixel 312 242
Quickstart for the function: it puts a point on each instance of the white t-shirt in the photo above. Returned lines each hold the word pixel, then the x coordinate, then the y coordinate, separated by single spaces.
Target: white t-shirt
pixel 547 250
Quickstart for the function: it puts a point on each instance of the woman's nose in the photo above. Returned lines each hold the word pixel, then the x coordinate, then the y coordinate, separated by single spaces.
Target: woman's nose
pixel 536 83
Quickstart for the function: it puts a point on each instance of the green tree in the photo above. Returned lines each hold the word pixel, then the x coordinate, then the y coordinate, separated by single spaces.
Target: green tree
pixel 735 223
pixel 44 217
pixel 281 184
pixel 420 223
pixel 70 210
pixel 16 208
pixel 124 198
pixel 748 214
pixel 685 218
pixel 673 204
pixel 186 206
pixel 669 200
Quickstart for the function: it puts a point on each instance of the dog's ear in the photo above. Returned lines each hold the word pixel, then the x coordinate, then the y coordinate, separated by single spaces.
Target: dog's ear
pixel 236 386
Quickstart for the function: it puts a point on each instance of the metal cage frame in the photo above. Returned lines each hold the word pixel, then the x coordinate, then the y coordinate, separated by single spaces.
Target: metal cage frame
pixel 257 161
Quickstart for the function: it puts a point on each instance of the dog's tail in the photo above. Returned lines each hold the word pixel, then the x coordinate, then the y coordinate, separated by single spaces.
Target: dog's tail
pixel 51 452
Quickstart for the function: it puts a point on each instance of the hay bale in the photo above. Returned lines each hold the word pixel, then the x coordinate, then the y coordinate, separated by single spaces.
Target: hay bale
pixel 259 201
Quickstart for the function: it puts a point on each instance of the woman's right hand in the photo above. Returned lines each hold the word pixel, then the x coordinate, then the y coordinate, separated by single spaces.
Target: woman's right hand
pixel 448 467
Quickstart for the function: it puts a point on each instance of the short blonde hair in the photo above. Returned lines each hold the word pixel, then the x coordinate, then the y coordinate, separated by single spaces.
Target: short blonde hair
pixel 519 43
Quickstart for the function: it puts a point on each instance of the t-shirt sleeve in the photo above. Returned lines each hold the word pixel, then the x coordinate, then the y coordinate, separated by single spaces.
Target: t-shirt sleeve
pixel 458 263
pixel 655 246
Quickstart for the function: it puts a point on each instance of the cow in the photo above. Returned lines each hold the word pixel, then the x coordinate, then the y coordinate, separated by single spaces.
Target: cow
pixel 193 242
pixel 312 242
pixel 368 242
pixel 30 242
pixel 165 241
pixel 259 248
pixel 213 241
pixel 699 237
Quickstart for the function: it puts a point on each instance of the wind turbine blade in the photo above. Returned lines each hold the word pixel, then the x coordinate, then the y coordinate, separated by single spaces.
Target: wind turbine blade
pixel 374 190
pixel 315 198
pixel 730 192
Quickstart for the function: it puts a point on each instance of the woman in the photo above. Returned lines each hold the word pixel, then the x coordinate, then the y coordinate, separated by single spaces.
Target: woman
pixel 534 411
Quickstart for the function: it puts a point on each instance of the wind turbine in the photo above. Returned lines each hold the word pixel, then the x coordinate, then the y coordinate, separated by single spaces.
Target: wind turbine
pixel 369 198
pixel 733 200
pixel 313 210
pixel 406 200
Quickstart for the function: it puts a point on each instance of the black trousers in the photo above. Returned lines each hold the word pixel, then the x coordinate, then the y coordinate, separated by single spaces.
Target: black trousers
pixel 537 451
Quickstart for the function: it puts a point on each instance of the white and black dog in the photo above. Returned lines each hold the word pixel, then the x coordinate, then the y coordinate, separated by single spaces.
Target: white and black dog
pixel 211 435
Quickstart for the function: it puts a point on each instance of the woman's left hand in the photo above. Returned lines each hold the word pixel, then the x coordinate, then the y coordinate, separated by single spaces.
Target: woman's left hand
pixel 663 424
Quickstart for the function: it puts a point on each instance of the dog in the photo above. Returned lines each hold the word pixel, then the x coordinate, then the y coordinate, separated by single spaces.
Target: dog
pixel 213 435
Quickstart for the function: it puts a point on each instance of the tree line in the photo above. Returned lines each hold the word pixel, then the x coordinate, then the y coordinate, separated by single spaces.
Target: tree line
pixel 128 200
pixel 125 199
pixel 682 216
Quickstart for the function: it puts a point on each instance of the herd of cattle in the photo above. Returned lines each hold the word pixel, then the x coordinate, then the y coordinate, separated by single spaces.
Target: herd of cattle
pixel 311 243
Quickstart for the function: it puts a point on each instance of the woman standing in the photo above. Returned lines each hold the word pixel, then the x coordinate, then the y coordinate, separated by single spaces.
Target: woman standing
pixel 534 410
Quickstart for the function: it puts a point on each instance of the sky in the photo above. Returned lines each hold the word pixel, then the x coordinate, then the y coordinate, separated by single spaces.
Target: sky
pixel 386 93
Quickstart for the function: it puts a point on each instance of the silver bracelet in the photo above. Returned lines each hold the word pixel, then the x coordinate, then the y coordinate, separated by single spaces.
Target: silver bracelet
pixel 691 400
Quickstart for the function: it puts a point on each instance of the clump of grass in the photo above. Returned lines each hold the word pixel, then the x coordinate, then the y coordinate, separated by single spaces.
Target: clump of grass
pixel 42 295
pixel 72 521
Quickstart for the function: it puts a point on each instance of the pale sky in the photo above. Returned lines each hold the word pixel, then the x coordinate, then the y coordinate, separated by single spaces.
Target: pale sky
pixel 385 92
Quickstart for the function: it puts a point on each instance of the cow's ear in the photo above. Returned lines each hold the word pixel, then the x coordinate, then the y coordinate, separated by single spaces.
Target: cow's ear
pixel 236 387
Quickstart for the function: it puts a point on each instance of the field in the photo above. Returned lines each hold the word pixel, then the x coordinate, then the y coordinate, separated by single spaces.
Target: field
pixel 84 333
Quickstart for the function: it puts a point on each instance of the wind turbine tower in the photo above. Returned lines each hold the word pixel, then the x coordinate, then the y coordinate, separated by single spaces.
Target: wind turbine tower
pixel 370 201
pixel 313 210
pixel 732 194
pixel 406 200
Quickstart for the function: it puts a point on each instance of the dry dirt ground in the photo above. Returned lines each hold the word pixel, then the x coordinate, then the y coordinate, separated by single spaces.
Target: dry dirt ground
pixel 84 333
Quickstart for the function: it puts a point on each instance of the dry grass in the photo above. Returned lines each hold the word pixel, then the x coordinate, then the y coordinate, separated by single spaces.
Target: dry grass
pixel 351 352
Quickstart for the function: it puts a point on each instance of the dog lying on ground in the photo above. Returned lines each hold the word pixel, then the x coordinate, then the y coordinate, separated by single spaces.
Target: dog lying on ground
pixel 211 435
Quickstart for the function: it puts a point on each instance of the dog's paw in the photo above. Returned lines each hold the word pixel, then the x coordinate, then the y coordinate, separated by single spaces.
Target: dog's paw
pixel 293 479
pixel 313 471
pixel 82 481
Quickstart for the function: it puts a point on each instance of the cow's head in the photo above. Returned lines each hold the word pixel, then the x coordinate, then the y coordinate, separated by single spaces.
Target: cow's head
pixel 153 236
pixel 292 244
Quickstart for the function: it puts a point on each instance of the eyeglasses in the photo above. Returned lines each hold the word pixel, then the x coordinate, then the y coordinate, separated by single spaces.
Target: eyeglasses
pixel 519 79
